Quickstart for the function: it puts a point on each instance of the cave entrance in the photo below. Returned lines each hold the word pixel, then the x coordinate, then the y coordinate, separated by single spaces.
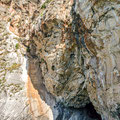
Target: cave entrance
pixel 92 112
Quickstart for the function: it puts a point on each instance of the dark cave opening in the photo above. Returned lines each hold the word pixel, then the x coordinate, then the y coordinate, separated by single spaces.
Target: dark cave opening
pixel 86 113
pixel 92 112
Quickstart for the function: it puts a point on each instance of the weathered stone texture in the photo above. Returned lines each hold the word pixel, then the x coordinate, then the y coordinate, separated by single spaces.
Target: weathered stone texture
pixel 22 95
pixel 103 19
pixel 72 49
pixel 13 100
pixel 59 55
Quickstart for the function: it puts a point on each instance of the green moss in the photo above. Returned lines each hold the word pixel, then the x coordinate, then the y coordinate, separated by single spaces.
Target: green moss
pixel 42 60
pixel 28 49
pixel 45 4
pixel 9 19
pixel 13 67
pixel 41 14
pixel 17 46
pixel 15 88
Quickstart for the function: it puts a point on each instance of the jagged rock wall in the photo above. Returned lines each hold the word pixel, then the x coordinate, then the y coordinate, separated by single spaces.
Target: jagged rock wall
pixel 86 46
pixel 59 55
pixel 13 73
pixel 72 49
pixel 19 100
pixel 102 18
pixel 23 93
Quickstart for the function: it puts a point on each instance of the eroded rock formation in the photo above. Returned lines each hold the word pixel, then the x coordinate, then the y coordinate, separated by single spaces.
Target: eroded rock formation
pixel 102 18
pixel 58 58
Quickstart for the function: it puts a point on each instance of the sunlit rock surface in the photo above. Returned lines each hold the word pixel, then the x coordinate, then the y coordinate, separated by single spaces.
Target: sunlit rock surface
pixel 23 93
pixel 58 59
pixel 19 99
pixel 13 73
pixel 102 18
pixel 59 55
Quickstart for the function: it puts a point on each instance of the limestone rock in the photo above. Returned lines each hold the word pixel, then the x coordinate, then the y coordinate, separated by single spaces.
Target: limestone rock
pixel 18 98
pixel 103 19
pixel 59 55
pixel 23 93
pixel 13 74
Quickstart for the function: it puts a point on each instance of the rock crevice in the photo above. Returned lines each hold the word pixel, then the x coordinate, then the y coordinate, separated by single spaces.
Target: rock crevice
pixel 72 49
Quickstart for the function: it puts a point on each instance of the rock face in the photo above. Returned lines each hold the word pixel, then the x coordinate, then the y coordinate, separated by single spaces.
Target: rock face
pixel 23 94
pixel 59 55
pixel 19 99
pixel 103 74
pixel 13 73
pixel 58 58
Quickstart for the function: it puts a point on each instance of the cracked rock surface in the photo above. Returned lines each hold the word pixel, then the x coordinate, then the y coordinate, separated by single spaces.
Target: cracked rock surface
pixel 58 58
pixel 103 19
pixel 13 74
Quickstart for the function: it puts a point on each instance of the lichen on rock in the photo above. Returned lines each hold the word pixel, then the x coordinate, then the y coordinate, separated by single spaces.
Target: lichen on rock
pixel 56 45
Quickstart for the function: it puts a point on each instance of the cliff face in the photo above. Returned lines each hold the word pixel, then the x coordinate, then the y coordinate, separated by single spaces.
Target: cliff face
pixel 58 58
pixel 59 55
pixel 13 73
pixel 103 43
